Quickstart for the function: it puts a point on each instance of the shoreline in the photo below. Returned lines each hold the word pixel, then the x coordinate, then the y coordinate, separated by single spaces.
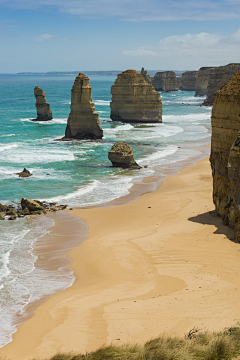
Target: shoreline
pixel 176 248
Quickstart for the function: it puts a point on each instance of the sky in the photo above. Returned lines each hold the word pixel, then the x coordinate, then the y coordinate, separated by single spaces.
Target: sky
pixel 78 35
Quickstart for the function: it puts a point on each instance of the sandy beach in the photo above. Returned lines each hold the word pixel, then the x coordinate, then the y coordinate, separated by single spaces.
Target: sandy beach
pixel 162 263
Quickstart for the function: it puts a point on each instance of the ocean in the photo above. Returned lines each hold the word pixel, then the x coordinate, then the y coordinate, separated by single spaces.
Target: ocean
pixel 77 173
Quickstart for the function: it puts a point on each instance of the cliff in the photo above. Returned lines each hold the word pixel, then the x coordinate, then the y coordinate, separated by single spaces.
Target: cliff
pixel 83 122
pixel 146 76
pixel 165 81
pixel 217 77
pixel 202 80
pixel 225 153
pixel 134 100
pixel 188 81
pixel 44 112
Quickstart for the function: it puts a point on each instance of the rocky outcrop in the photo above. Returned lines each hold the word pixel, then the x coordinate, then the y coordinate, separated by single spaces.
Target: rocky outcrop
pixel 188 81
pixel 202 79
pixel 146 76
pixel 121 155
pixel 83 122
pixel 134 100
pixel 217 77
pixel 44 113
pixel 24 173
pixel 165 81
pixel 225 153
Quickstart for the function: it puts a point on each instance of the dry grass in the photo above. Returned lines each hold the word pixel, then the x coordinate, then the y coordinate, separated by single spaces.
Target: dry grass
pixel 196 345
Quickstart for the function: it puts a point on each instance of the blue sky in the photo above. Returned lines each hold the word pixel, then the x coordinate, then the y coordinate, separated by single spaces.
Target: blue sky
pixel 60 35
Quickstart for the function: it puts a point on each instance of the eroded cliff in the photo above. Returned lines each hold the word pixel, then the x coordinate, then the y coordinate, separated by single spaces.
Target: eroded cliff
pixel 188 81
pixel 202 80
pixel 165 81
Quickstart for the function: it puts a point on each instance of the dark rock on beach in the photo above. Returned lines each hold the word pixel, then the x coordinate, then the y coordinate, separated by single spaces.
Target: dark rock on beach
pixel 24 173
pixel 121 155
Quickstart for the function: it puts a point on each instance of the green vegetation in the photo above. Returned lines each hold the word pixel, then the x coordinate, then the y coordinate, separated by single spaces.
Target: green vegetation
pixel 196 345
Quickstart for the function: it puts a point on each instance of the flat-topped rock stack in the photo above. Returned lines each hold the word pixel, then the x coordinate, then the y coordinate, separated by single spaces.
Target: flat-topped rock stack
pixel 44 113
pixel 146 76
pixel 134 100
pixel 225 153
pixel 165 81
pixel 217 77
pixel 188 81
pixel 83 122
pixel 202 79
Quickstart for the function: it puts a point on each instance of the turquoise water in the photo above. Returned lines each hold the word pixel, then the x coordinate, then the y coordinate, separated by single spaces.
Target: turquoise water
pixel 77 173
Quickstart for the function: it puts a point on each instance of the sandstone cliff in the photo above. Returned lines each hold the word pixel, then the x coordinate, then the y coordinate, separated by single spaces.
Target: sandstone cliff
pixel 83 122
pixel 188 81
pixel 217 77
pixel 202 81
pixel 165 81
pixel 146 76
pixel 134 100
pixel 44 112
pixel 121 155
pixel 225 153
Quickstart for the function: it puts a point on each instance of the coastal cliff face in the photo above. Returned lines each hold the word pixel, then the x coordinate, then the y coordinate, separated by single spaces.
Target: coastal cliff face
pixel 146 76
pixel 165 81
pixel 188 81
pixel 44 112
pixel 202 80
pixel 217 77
pixel 134 100
pixel 83 122
pixel 225 153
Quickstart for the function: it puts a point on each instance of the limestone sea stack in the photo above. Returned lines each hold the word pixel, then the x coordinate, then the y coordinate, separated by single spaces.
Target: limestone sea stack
pixel 202 79
pixel 225 153
pixel 134 100
pixel 83 122
pixel 121 155
pixel 188 81
pixel 146 76
pixel 217 77
pixel 44 113
pixel 165 81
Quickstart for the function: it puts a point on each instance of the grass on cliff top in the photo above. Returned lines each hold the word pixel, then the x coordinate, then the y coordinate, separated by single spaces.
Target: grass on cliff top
pixel 196 345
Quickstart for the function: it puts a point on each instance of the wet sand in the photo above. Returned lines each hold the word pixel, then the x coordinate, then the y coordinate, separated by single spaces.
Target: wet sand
pixel 162 263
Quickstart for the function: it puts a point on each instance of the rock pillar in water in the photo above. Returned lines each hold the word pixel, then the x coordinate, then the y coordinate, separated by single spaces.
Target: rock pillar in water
pixel 202 80
pixel 134 100
pixel 188 81
pixel 225 153
pixel 121 155
pixel 146 76
pixel 83 122
pixel 44 112
pixel 165 81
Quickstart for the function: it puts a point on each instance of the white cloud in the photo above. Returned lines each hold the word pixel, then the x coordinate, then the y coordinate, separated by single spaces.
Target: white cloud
pixel 137 10
pixel 44 37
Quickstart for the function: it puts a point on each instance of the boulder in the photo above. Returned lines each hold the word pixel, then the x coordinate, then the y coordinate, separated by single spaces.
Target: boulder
pixel 202 79
pixel 121 155
pixel 83 122
pixel 165 81
pixel 225 153
pixel 31 205
pixel 147 78
pixel 44 113
pixel 24 173
pixel 134 100
pixel 188 81
pixel 217 77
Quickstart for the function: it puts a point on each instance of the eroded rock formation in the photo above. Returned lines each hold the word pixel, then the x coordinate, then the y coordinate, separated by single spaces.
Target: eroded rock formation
pixel 217 77
pixel 225 153
pixel 83 122
pixel 134 100
pixel 188 81
pixel 24 173
pixel 146 76
pixel 165 81
pixel 202 80
pixel 44 113
pixel 121 155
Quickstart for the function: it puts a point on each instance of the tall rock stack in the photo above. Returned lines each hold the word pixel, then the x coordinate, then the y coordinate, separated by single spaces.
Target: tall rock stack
pixel 44 112
pixel 217 77
pixel 188 81
pixel 165 81
pixel 83 122
pixel 202 80
pixel 146 76
pixel 225 153
pixel 134 100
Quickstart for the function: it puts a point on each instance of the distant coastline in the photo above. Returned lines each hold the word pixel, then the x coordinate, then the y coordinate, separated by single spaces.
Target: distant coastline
pixel 99 73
